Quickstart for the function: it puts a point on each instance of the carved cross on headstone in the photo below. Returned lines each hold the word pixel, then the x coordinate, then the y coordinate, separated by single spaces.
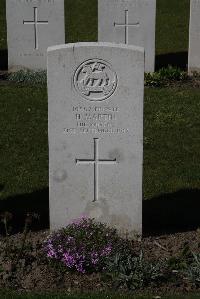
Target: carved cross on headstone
pixel 96 162
pixel 35 22
pixel 126 26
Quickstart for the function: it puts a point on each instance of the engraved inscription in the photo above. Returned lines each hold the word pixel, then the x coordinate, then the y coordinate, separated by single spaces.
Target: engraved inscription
pixel 95 120
pixel 95 80
pixel 35 22
pixel 96 131
pixel 96 162
pixel 126 26
pixel 36 54
pixel 31 1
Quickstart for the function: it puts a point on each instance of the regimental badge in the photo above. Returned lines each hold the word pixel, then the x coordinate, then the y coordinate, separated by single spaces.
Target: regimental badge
pixel 95 80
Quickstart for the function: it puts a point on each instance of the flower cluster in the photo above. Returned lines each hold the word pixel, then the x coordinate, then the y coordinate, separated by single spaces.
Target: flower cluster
pixel 83 246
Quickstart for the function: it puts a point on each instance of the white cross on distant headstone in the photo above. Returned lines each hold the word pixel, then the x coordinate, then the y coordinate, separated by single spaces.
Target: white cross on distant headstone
pixel 35 22
pixel 126 26
pixel 96 161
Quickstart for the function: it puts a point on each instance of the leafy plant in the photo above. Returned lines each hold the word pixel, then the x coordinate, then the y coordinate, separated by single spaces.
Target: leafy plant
pixel 179 263
pixel 12 252
pixel 83 245
pixel 5 218
pixel 164 76
pixel 28 76
pixel 133 271
pixel 192 272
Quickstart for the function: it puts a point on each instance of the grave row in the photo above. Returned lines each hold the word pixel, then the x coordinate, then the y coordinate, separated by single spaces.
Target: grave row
pixel 34 25
pixel 95 106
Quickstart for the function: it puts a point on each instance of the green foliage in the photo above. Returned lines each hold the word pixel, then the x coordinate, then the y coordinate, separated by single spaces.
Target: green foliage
pixel 29 77
pixel 179 263
pixel 165 76
pixel 87 246
pixel 192 272
pixel 83 245
pixel 133 272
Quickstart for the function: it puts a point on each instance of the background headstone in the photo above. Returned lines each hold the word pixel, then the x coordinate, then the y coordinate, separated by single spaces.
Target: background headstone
pixel 129 22
pixel 95 93
pixel 33 26
pixel 194 39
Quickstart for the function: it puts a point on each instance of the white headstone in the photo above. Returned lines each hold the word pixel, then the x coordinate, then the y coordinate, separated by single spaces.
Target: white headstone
pixel 33 26
pixel 194 39
pixel 95 94
pixel 130 22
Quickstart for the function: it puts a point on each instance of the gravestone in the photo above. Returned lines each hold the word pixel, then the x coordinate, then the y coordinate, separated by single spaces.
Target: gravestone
pixel 129 22
pixel 33 26
pixel 194 39
pixel 95 94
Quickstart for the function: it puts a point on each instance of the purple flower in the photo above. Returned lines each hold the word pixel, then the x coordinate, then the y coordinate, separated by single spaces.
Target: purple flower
pixel 80 268
pixel 106 251
pixel 51 253
pixel 68 259
pixel 79 220
pixel 94 258
pixel 79 245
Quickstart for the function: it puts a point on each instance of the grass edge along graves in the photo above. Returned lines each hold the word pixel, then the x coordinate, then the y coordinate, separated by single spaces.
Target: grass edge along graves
pixel 12 295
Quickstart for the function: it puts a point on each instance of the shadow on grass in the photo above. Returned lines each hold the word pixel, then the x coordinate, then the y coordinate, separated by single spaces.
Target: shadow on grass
pixel 179 59
pixel 19 205
pixel 170 213
pixel 3 59
pixel 167 213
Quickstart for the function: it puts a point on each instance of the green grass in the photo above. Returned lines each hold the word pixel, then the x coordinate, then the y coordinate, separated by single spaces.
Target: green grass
pixel 3 37
pixel 172 28
pixel 81 24
pixel 171 144
pixel 101 296
pixel 23 142
pixel 81 20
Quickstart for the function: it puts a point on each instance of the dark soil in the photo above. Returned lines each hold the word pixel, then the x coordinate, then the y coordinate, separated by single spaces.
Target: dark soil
pixel 29 269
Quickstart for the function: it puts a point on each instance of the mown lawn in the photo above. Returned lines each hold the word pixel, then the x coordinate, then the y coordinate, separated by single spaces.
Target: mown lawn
pixel 3 37
pixel 81 24
pixel 24 141
pixel 171 143
pixel 80 296
pixel 172 28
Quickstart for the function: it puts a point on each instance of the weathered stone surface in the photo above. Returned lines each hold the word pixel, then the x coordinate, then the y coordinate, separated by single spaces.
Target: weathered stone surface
pixel 95 94
pixel 194 39
pixel 33 26
pixel 131 22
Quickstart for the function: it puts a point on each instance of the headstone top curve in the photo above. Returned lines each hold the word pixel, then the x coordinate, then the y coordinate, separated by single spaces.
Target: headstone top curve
pixel 94 44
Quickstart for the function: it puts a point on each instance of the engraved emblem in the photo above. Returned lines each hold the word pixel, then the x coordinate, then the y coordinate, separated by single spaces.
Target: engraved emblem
pixel 95 80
